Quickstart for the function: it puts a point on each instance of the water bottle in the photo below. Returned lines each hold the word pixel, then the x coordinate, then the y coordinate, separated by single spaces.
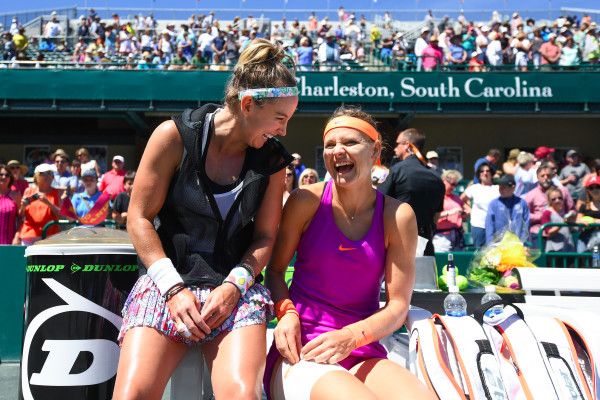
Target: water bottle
pixel 451 275
pixel 454 304
pixel 491 295
pixel 595 257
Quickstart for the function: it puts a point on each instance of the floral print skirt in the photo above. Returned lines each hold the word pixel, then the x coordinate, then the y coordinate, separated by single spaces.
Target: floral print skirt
pixel 146 307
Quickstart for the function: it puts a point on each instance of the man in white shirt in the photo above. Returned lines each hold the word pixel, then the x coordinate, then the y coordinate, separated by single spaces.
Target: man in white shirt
pixel 494 50
pixel 420 45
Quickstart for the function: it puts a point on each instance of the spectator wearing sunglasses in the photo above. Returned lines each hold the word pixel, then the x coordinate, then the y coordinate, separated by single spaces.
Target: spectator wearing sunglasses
pixel 589 213
pixel 448 231
pixel 507 213
pixel 63 179
pixel 558 238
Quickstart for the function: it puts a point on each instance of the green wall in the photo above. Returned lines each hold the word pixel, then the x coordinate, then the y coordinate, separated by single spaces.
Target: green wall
pixel 12 298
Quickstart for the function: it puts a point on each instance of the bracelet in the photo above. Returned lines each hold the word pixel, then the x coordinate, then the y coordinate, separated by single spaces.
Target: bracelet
pixel 248 268
pixel 164 275
pixel 285 306
pixel 241 278
pixel 173 291
pixel 361 332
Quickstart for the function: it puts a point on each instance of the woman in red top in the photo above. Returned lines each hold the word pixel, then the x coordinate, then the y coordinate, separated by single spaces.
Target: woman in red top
pixel 40 205
pixel 18 170
pixel 449 231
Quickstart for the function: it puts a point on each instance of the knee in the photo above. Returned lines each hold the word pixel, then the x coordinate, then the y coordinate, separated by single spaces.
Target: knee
pixel 129 392
pixel 238 390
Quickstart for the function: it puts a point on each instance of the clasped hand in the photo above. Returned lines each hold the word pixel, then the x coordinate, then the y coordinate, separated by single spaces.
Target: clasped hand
pixel 200 320
pixel 327 348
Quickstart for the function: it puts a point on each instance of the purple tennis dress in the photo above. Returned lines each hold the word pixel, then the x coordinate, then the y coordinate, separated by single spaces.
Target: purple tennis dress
pixel 336 280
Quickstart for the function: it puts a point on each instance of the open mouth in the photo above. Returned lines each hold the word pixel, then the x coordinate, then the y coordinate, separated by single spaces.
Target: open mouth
pixel 267 136
pixel 344 167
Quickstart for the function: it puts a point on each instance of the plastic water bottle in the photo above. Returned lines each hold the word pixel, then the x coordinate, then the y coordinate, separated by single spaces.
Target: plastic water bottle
pixel 596 257
pixel 491 295
pixel 454 304
pixel 451 275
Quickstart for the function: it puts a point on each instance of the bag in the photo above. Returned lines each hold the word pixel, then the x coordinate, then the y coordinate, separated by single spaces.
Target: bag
pixel 454 358
pixel 505 356
pixel 537 358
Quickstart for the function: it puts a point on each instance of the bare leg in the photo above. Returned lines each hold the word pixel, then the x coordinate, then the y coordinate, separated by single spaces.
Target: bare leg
pixel 147 360
pixel 378 373
pixel 237 362
pixel 340 385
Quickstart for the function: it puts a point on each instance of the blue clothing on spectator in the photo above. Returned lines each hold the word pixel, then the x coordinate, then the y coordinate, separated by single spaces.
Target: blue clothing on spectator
pixel 510 213
pixel 64 180
pixel 305 55
pixel 478 163
pixel 455 51
pixel 83 203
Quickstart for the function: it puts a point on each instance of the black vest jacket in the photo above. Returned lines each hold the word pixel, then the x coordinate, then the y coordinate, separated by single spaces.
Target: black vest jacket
pixel 203 246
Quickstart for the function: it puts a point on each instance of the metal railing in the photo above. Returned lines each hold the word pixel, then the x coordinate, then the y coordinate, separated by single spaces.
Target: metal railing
pixel 65 224
pixel 566 259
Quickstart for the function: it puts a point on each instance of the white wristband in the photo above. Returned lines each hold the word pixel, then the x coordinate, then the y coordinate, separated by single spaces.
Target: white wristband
pixel 164 275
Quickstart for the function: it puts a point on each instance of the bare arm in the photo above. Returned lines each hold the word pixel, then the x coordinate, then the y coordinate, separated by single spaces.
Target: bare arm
pixel 158 164
pixel 401 244
pixel 265 228
pixel 297 213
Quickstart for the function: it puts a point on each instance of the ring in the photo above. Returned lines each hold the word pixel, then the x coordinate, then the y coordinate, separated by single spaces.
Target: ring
pixel 184 330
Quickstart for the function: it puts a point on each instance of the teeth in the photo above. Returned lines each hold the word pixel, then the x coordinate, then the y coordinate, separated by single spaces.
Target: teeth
pixel 341 164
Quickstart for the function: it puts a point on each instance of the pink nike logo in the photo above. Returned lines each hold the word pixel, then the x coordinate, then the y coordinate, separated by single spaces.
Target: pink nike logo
pixel 342 248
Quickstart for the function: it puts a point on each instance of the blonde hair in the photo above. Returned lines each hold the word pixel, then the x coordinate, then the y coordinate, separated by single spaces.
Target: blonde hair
pixel 452 173
pixel 262 64
pixel 305 173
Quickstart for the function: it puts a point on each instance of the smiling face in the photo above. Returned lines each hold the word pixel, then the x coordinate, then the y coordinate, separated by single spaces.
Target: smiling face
pixel 265 121
pixel 349 156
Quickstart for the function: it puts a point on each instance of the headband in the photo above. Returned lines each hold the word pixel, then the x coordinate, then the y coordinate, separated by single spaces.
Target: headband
pixel 354 123
pixel 263 93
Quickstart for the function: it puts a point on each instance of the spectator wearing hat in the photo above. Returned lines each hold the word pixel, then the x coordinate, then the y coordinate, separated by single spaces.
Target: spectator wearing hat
pixel 569 53
pixel 14 26
pixel 119 211
pixel 112 181
pixel 525 177
pixel 550 51
pixel 433 57
pixel 507 212
pixel 510 165
pixel 329 53
pixel 571 175
pixel 84 201
pixel 544 153
pixel 297 164
pixel 305 54
pixel 420 44
pixel 40 204
pixel 18 171
pixel 433 162
pixel 456 54
pixel 449 231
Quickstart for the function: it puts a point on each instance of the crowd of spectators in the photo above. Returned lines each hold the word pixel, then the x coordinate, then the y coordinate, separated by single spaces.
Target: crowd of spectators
pixel 62 188
pixel 205 42
pixel 521 195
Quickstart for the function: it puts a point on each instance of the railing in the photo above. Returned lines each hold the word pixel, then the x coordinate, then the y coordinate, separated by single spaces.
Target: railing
pixel 64 223
pixel 565 259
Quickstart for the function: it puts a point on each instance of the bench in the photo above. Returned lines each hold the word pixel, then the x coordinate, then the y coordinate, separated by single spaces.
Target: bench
pixel 577 288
